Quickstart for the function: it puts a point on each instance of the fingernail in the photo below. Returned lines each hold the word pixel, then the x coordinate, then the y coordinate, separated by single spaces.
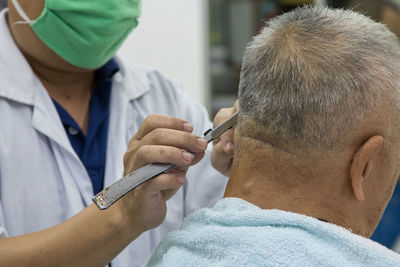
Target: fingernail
pixel 229 146
pixel 202 143
pixel 187 127
pixel 187 156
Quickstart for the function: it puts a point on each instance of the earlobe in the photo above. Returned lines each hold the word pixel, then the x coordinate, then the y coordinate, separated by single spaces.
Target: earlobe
pixel 361 165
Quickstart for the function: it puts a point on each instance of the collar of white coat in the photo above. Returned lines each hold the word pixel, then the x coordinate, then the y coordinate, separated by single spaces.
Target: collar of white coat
pixel 18 82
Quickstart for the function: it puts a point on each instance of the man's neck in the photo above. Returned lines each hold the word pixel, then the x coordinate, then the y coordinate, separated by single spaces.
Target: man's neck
pixel 273 182
pixel 271 197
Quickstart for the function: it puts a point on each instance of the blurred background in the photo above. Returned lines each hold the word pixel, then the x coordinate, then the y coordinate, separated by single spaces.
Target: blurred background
pixel 201 43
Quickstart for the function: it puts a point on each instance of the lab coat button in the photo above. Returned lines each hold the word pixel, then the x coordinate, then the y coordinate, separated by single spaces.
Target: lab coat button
pixel 73 131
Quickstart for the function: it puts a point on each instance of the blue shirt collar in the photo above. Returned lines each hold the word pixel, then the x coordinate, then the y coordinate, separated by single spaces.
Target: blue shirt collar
pixel 107 71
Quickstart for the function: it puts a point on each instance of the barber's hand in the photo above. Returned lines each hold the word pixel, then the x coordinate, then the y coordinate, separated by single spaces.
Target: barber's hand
pixel 160 139
pixel 224 146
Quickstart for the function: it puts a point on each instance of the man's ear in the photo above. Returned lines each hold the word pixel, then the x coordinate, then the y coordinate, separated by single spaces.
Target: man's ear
pixel 361 164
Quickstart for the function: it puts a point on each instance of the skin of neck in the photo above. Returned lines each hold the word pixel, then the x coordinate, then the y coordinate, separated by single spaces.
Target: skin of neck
pixel 272 179
pixel 69 85
pixel 314 184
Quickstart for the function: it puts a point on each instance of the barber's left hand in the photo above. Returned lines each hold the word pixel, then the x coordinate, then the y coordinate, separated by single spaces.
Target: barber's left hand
pixel 224 146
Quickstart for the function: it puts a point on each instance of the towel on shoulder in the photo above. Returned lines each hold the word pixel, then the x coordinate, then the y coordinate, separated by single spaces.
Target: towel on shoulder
pixel 238 233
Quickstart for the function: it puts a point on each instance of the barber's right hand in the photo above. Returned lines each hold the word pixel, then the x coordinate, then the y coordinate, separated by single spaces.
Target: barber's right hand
pixel 160 139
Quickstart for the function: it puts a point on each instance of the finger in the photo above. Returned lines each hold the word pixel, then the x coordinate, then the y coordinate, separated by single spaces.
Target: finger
pixel 227 142
pixel 224 147
pixel 159 121
pixel 168 181
pixel 236 106
pixel 165 154
pixel 175 138
pixel 222 115
pixel 181 176
pixel 220 160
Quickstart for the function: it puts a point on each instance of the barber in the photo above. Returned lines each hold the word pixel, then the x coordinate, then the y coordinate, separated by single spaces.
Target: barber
pixel 73 119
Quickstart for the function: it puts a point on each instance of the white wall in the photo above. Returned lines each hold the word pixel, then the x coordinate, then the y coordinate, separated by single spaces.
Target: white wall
pixel 171 36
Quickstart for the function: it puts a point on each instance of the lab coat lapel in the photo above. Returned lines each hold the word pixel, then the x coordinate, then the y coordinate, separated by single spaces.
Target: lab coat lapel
pixel 46 120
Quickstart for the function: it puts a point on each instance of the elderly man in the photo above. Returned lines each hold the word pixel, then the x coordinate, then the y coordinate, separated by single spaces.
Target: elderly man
pixel 317 150
pixel 74 118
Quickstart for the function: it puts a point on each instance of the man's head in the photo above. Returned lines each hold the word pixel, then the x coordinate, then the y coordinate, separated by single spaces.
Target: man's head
pixel 319 103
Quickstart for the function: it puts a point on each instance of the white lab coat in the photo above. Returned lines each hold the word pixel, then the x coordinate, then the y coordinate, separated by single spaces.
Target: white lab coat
pixel 42 180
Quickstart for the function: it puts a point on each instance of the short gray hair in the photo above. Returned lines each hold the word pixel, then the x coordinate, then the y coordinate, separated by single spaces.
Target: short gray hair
pixel 313 73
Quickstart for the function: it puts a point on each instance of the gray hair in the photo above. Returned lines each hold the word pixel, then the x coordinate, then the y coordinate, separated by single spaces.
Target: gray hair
pixel 313 73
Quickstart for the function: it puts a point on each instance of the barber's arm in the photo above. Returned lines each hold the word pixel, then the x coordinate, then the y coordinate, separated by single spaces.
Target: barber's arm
pixel 94 237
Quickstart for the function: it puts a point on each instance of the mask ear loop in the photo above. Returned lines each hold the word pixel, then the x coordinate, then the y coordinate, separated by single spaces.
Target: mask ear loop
pixel 21 13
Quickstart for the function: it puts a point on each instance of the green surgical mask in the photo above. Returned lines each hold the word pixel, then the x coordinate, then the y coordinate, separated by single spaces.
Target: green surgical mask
pixel 85 33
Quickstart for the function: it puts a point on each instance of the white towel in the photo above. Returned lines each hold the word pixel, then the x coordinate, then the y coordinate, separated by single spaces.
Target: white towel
pixel 238 233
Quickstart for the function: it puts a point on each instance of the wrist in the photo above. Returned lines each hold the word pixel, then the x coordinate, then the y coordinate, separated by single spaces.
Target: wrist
pixel 121 219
